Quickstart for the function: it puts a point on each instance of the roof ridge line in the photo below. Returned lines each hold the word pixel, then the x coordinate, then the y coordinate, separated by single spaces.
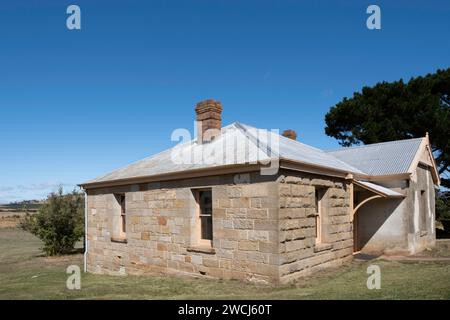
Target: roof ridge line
pixel 241 127
pixel 267 151
pixel 283 137
pixel 370 145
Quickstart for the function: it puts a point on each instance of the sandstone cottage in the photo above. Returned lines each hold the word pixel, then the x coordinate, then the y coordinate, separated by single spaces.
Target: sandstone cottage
pixel 249 204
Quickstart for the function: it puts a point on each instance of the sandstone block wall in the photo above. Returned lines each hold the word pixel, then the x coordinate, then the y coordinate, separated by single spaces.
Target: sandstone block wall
pixel 160 223
pixel 263 228
pixel 299 253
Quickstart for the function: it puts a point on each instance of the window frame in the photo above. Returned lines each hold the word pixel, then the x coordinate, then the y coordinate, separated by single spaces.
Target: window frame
pixel 199 215
pixel 123 214
pixel 423 210
pixel 319 193
pixel 122 218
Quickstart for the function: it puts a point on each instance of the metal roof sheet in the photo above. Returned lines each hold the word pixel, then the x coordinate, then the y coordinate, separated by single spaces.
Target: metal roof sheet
pixel 388 193
pixel 385 158
pixel 238 144
pixel 297 151
pixel 242 144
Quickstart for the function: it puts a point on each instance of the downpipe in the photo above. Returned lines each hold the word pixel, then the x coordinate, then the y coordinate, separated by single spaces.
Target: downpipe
pixel 86 242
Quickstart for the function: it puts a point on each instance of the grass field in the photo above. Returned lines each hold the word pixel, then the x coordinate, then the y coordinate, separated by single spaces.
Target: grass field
pixel 26 274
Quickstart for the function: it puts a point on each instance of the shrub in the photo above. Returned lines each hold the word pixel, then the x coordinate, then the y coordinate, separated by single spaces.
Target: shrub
pixel 27 222
pixel 59 223
pixel 443 206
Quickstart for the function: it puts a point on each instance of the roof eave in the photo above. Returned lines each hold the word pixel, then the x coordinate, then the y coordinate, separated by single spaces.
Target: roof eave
pixel 194 173
pixel 384 195
pixel 239 168
pixel 317 169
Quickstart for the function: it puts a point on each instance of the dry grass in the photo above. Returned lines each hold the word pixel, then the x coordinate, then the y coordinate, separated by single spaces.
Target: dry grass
pixel 10 218
pixel 26 274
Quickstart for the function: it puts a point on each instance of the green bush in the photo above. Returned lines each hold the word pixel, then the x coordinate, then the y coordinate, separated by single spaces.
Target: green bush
pixel 27 222
pixel 443 206
pixel 59 223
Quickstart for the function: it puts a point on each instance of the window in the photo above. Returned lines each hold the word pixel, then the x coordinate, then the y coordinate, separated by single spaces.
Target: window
pixel 205 225
pixel 120 219
pixel 319 212
pixel 423 210
pixel 123 218
pixel 205 201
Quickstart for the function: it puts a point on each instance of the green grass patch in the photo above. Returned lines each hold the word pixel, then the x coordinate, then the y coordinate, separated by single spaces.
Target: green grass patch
pixel 26 274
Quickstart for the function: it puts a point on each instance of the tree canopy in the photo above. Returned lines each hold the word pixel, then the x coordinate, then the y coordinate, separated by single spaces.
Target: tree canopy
pixel 398 110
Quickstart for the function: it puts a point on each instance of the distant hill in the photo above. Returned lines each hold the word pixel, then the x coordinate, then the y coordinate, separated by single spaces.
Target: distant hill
pixel 22 205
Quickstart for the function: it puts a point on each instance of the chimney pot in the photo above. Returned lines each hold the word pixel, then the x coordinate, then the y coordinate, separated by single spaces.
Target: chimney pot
pixel 209 120
pixel 291 134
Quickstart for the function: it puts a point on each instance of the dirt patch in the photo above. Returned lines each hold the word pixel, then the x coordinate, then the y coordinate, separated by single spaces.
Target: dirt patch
pixel 416 258
pixel 439 253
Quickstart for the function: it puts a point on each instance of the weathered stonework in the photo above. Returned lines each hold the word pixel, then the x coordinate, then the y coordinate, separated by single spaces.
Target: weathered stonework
pixel 263 231
pixel 299 253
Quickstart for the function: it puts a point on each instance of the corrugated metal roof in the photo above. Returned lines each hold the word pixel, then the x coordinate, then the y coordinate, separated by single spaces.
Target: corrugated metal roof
pixel 191 156
pixel 297 151
pixel 381 158
pixel 238 144
pixel 242 144
pixel 388 193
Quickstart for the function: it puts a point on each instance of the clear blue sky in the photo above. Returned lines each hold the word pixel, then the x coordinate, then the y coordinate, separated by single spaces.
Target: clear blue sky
pixel 77 104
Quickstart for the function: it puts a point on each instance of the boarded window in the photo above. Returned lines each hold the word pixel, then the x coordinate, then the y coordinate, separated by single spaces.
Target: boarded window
pixel 318 196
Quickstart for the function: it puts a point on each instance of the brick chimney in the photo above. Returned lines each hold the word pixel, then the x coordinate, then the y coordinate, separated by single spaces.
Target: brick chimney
pixel 209 120
pixel 291 134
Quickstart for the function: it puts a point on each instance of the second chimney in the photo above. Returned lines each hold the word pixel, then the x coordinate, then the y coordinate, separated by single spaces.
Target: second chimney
pixel 209 120
pixel 291 134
